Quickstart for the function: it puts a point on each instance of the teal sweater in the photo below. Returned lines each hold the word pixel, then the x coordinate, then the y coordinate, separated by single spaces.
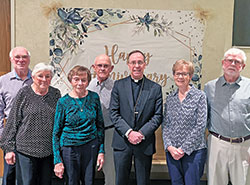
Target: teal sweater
pixel 73 127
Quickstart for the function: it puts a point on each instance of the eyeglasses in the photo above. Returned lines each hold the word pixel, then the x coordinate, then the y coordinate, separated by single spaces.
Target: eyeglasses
pixel 18 57
pixel 105 66
pixel 76 80
pixel 140 63
pixel 181 74
pixel 231 61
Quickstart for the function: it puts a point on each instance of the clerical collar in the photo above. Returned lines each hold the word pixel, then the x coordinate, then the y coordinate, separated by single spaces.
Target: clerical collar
pixel 135 80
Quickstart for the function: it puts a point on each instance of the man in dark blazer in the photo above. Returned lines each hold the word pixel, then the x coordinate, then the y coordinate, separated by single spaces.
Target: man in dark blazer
pixel 136 111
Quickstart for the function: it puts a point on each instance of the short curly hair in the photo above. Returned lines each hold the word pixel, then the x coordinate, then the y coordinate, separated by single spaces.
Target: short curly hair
pixel 77 70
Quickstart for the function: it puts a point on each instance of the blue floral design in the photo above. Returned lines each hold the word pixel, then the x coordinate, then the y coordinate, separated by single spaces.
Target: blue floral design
pixel 73 25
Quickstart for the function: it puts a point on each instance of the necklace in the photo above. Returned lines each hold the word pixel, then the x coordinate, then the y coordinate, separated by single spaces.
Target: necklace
pixel 81 107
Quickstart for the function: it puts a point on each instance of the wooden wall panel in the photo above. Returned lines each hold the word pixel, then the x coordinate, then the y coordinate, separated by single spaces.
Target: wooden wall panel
pixel 5 41
pixel 5 46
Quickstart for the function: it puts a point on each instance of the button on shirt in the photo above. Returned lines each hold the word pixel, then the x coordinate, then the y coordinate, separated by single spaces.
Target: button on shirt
pixel 104 91
pixel 229 107
pixel 10 84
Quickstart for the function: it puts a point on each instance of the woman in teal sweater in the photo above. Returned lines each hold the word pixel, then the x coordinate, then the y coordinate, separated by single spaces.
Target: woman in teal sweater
pixel 78 136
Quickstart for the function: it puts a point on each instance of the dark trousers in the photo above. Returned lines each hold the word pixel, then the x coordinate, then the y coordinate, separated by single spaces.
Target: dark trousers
pixel 123 162
pixel 80 163
pixel 35 171
pixel 9 174
pixel 189 169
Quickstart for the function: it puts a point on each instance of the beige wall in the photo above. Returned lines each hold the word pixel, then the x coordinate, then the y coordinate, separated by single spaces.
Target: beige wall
pixel 31 26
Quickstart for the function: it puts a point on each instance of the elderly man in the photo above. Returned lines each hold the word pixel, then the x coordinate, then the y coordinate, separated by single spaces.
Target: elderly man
pixel 136 111
pixel 103 85
pixel 10 84
pixel 229 123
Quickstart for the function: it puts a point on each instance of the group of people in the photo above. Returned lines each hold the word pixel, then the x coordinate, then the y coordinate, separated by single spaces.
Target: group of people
pixel 102 124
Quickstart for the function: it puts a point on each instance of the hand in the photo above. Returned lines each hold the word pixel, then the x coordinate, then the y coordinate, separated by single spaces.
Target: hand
pixel 10 158
pixel 59 170
pixel 176 153
pixel 135 137
pixel 100 161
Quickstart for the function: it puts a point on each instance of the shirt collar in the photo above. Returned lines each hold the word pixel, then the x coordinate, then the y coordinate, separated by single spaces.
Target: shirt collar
pixel 104 83
pixel 224 82
pixel 14 75
pixel 191 91
pixel 136 81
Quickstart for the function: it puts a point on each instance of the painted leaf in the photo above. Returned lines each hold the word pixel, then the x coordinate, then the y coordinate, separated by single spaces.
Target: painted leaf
pixel 57 60
pixel 119 15
pixel 102 22
pixel 97 27
pixel 52 42
pixel 195 78
pixel 58 52
pixel 75 18
pixel 62 14
pixel 84 28
pixel 99 12
pixel 50 52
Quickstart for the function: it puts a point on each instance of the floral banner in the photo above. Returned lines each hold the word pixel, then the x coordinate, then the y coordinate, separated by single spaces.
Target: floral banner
pixel 78 35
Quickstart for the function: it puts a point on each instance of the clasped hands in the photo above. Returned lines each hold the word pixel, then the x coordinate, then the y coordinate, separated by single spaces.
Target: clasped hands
pixel 135 137
pixel 176 153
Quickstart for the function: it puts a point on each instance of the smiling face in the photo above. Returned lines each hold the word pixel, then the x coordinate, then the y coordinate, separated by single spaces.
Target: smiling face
pixel 80 82
pixel 232 66
pixel 41 80
pixel 182 77
pixel 20 59
pixel 102 67
pixel 136 65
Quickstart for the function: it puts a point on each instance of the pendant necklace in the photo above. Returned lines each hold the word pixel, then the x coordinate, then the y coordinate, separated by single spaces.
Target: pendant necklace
pixel 81 107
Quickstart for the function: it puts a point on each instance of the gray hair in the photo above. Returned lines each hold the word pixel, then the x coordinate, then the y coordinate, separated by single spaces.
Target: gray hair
pixel 236 51
pixel 11 51
pixel 43 67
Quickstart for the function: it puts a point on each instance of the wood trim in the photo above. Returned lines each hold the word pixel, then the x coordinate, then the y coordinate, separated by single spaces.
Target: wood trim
pixel 5 45
pixel 5 36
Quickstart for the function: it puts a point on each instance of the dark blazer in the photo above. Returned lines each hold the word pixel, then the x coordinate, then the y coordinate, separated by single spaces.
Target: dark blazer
pixel 122 114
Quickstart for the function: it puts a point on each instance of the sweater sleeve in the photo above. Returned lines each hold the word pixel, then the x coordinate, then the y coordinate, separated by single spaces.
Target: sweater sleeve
pixel 8 138
pixel 57 131
pixel 100 126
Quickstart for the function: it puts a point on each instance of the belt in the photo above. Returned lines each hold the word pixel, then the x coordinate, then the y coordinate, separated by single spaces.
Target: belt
pixel 109 127
pixel 231 140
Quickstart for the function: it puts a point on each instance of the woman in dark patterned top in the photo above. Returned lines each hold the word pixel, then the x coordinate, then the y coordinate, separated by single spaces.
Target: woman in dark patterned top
pixel 27 136
pixel 78 137
pixel 184 126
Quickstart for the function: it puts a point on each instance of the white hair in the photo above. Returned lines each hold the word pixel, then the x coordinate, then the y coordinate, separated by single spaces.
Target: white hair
pixel 11 51
pixel 236 51
pixel 43 67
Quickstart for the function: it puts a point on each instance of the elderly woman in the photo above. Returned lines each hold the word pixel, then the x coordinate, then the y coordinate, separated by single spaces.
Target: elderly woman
pixel 29 128
pixel 78 137
pixel 183 128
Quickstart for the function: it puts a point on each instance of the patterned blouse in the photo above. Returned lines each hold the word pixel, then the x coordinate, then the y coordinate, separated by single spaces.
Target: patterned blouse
pixel 77 122
pixel 30 123
pixel 185 122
